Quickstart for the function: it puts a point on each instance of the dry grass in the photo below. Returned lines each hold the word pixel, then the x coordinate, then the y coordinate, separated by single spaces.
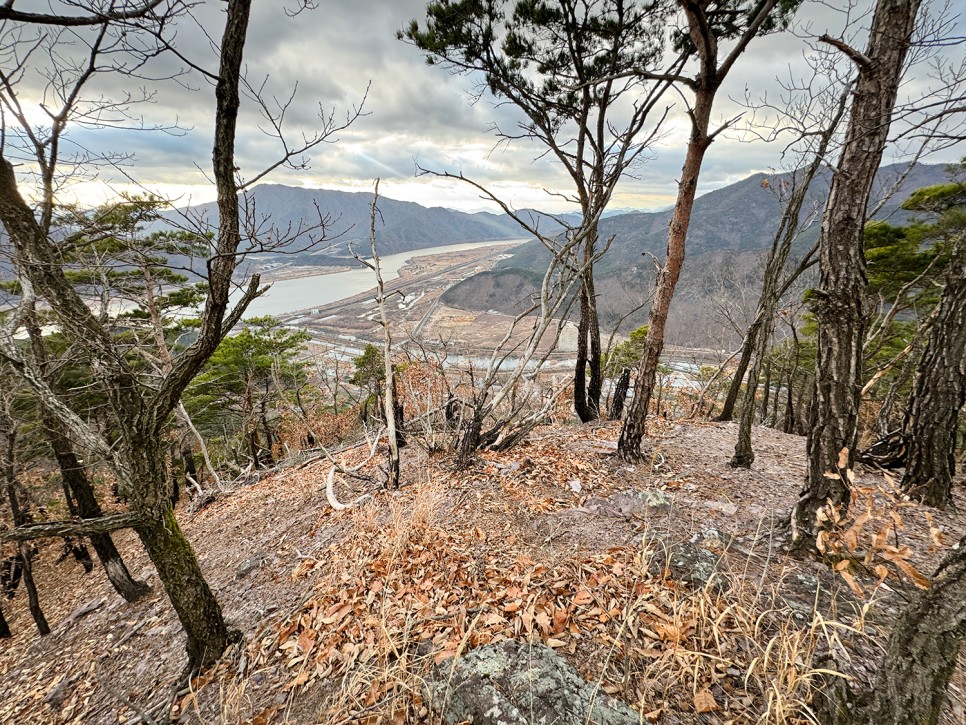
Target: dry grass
pixel 412 588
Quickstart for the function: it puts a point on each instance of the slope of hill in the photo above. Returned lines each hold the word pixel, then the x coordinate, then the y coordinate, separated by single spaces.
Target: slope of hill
pixel 343 614
pixel 730 228
pixel 400 226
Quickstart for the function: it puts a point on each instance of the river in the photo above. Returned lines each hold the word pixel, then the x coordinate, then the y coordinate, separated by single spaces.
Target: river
pixel 291 295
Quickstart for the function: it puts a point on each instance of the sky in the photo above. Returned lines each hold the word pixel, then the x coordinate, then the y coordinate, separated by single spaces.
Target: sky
pixel 341 55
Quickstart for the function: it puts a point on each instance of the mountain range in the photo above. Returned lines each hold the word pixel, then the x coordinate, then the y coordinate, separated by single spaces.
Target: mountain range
pixel 300 215
pixel 730 230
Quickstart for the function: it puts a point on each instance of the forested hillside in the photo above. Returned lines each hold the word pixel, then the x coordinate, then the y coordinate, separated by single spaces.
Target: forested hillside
pixel 400 227
pixel 731 229
pixel 701 466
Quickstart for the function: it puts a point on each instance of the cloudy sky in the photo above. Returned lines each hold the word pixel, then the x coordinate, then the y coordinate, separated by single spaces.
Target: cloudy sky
pixel 420 114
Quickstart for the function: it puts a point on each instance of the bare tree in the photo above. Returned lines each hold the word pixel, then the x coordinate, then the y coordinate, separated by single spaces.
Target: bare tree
pixel 78 489
pixel 389 373
pixel 776 282
pixel 9 430
pixel 141 407
pixel 706 26
pixel 565 65
pixel 838 301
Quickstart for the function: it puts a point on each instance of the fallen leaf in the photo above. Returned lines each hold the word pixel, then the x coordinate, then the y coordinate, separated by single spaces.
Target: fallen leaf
pixel 704 701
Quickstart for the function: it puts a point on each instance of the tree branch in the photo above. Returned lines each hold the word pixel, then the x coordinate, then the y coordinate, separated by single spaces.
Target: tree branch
pixel 858 58
pixel 72 21
pixel 78 527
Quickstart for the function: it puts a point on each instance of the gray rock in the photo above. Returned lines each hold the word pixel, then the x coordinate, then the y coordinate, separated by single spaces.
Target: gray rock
pixel 515 683
pixel 55 698
pixel 725 507
pixel 629 503
pixel 696 566
pixel 710 539
pixel 248 566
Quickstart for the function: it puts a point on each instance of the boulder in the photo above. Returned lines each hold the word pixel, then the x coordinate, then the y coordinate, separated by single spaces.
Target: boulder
pixel 696 566
pixel 516 683
pixel 627 504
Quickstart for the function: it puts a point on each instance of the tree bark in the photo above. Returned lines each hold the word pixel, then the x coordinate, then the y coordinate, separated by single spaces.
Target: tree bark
pixel 744 454
pixel 5 632
pixel 84 527
pixel 587 392
pixel 734 390
pixel 920 657
pixel 632 433
pixel 620 394
pixel 33 599
pixel 838 303
pixel 75 480
pixel 932 419
pixel 921 654
pixel 180 574
pixel 766 394
pixel 24 550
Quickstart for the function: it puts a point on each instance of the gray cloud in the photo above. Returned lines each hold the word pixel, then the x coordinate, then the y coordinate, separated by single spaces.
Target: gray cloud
pixel 416 112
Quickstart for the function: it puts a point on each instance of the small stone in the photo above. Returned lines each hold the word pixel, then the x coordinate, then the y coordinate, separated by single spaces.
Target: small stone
pixel 725 507
pixel 55 698
pixel 575 485
pixel 248 566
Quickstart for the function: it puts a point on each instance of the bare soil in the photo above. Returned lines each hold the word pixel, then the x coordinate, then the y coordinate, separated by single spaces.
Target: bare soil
pixel 341 612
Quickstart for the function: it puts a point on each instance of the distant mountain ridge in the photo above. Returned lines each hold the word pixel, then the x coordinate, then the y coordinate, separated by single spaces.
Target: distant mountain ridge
pixel 730 229
pixel 401 226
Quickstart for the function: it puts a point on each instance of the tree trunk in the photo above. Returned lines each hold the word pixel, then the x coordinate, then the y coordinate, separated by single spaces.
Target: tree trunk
pixel 19 516
pixel 734 390
pixel 744 455
pixel 143 411
pixel 77 487
pixel 932 419
pixel 33 599
pixel 190 595
pixel 920 657
pixel 884 423
pixel 188 463
pixel 182 413
pixel 766 393
pixel 269 438
pixel 399 413
pixel 75 480
pixel 587 393
pixel 620 394
pixel 838 302
pixel 789 424
pixel 921 654
pixel 632 433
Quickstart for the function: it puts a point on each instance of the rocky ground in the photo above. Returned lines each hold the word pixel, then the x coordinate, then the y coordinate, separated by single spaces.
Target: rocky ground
pixel 663 584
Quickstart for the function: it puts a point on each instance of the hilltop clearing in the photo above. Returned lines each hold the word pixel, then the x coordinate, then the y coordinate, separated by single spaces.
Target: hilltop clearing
pixel 344 613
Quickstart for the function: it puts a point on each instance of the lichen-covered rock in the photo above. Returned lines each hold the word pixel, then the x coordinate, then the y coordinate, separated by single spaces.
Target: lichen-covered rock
pixel 696 566
pixel 516 683
pixel 629 503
